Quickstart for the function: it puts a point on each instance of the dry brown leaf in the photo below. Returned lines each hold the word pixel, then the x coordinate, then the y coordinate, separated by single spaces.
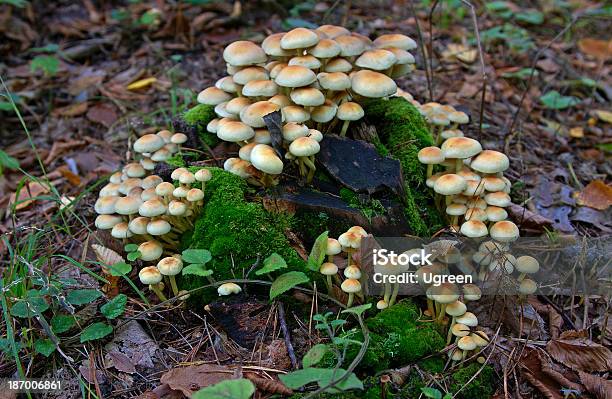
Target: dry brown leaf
pixel 600 387
pixel 268 385
pixel 555 321
pixel 106 255
pixel 596 48
pixel 603 115
pixel 577 132
pixel 71 110
pixel 574 350
pixel 596 195
pixel 27 195
pixel 191 379
pixel 531 364
pixel 103 114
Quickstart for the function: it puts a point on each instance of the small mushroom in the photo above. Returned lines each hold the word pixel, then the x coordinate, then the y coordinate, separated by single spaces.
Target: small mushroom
pixel 171 266
pixel 329 269
pixel 526 265
pixel 347 112
pixel 304 149
pixel 350 286
pixel 229 289
pixel 333 248
pixel 152 277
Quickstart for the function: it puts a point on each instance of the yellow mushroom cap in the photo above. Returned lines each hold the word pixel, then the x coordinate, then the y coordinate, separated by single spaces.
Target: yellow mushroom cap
pixel 350 46
pixel 489 161
pixel 249 74
pixel 382 304
pixel 295 114
pixel 326 48
pixel 260 88
pixel 150 275
pixel 228 289
pixel 377 59
pixel 150 250
pixel 158 227
pixel 338 64
pixel 203 175
pixel 299 38
pixel 352 272
pixel 466 343
pixel 254 113
pixel 474 228
pixel 456 308
pixel 496 214
pixel 349 111
pixel 460 147
pixel 504 231
pixel 106 222
pixel 148 143
pixel 351 286
pixel 469 319
pixel 528 287
pixel 170 266
pixel 460 330
pixel 471 292
pixel 121 230
pixel 430 156
pixel 527 264
pixel 307 96
pixel 498 198
pixel 304 147
pixel 139 225
pixel 395 40
pixel 445 293
pixel 450 184
pixel 358 230
pixel 295 76
pixel 242 53
pixel 372 84
pixel 235 132
pixel 350 240
pixel 333 247
pixel 307 61
pixel 265 159
pixel 212 96
pixel 105 205
pixel 328 269
pixel 333 31
pixel 480 338
pixel 272 45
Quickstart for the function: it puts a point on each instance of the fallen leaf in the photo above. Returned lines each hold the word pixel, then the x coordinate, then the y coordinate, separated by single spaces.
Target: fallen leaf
pixel 531 364
pixel 71 110
pixel 141 84
pixel 269 385
pixel 597 194
pixel 574 350
pixel 27 195
pixel 103 114
pixel 547 65
pixel 603 115
pixel 600 387
pixel 596 48
pixel 461 52
pixel 577 132
pixel 191 379
pixel 120 361
pixel 106 256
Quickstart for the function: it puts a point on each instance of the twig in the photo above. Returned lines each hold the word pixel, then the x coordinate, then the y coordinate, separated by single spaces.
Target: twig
pixel 420 34
pixel 288 344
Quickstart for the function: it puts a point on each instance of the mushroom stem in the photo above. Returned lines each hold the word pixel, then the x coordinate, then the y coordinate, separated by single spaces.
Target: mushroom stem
pixel 330 258
pixel 301 166
pixel 429 171
pixel 350 299
pixel 310 163
pixel 449 336
pixel 157 291
pixel 521 277
pixel 441 314
pixel 349 256
pixel 387 291
pixel 454 220
pixel 449 200
pixel 430 307
pixel 173 285
pixel 458 165
pixel 330 290
pixel 344 128
pixel 394 294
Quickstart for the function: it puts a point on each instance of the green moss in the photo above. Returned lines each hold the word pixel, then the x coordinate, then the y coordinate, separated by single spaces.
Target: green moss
pixel 369 208
pixel 397 338
pixel 199 116
pixel 237 231
pixel 433 365
pixel 403 132
pixel 176 160
pixel 480 387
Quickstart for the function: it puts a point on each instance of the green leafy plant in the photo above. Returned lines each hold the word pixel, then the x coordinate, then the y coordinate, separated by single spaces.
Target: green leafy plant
pixel 132 252
pixel 48 64
pixel 7 162
pixel 514 37
pixel 115 307
pixel 287 281
pixel 198 258
pixel 271 264
pixel 317 253
pixel 554 100
pixel 95 331
pixel 241 388
pixel 434 393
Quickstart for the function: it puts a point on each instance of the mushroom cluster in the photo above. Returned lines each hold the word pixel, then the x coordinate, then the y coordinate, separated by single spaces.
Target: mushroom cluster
pixel 471 187
pixel 348 242
pixel 139 207
pixel 315 78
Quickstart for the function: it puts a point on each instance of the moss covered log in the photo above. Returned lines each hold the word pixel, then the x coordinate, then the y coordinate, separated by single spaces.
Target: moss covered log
pixel 198 117
pixel 403 132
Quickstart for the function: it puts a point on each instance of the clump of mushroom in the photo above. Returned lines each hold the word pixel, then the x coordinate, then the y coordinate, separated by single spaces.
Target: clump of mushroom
pixel 315 78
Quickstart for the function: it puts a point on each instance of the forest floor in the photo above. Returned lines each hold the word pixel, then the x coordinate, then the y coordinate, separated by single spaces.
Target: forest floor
pixel 71 68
